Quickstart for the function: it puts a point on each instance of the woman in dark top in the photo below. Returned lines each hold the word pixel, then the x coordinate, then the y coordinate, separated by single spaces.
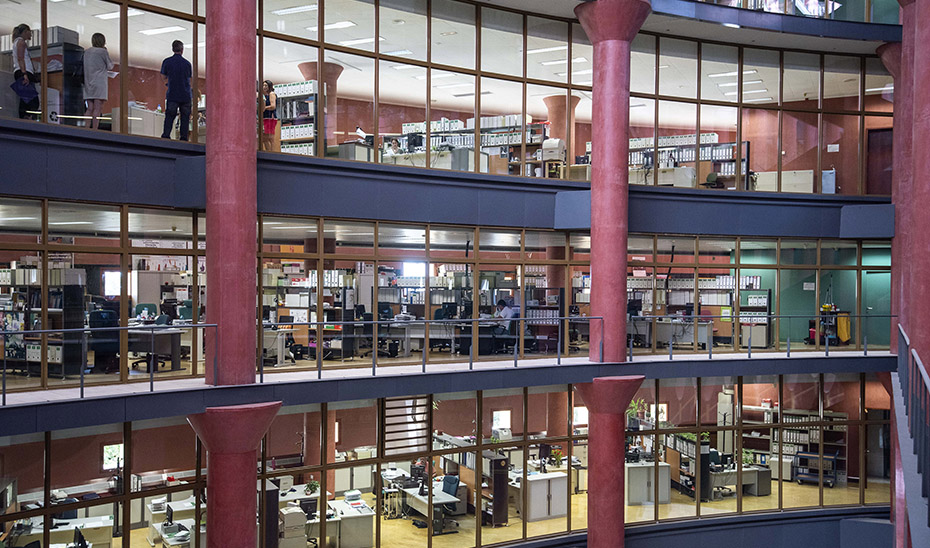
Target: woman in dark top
pixel 269 115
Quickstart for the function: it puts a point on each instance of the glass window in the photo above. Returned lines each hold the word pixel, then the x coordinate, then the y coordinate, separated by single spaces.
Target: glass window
pixel 83 224
pixel 878 150
pixel 350 23
pixel 25 20
pixel 452 110
pixel 402 117
pixel 292 71
pixel 757 304
pixel 501 42
pixel 500 244
pixel 160 228
pixel 757 252
pixel 799 151
pixel 678 68
pixel 840 82
pixel 95 448
pixel 349 104
pixel 849 11
pixel 348 238
pixel 802 80
pixel 720 159
pixel 643 64
pixel 642 141
pixel 760 130
pixel 545 245
pixel 455 418
pixel 402 241
pixel 884 11
pixel 547 51
pixel 453 33
pixel 288 235
pixel 293 439
pixel 761 70
pixel 356 423
pixel 451 242
pixel 502 129
pixel 23 474
pixel 838 291
pixel 86 102
pixel 879 87
pixel 837 252
pixel 797 296
pixel 876 253
pixel 675 160
pixel 501 418
pixel 583 57
pixel 162 448
pixel 840 154
pixel 20 221
pixel 718 60
pixel 292 17
pixel 675 250
pixel 798 252
pixel 548 110
pixel 579 245
pixel 402 24
pixel 151 39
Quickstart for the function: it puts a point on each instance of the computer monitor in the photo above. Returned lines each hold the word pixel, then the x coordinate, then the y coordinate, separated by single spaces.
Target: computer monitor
pixel 385 310
pixel 545 451
pixel 309 507
pixel 634 307
pixel 78 541
pixel 169 514
pixel 414 140
pixel 417 471
pixel 450 310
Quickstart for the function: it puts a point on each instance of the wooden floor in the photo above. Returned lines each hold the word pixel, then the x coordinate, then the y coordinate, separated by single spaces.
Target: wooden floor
pixel 401 533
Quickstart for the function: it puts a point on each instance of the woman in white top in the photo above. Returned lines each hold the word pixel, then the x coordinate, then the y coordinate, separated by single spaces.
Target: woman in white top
pixel 96 65
pixel 23 69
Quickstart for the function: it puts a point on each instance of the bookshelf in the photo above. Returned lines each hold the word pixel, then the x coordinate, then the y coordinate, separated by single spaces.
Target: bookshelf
pixel 297 114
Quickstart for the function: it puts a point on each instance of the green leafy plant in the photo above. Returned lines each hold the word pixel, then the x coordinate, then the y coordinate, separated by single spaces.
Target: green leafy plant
pixel 311 487
pixel 748 457
pixel 636 407
pixel 556 456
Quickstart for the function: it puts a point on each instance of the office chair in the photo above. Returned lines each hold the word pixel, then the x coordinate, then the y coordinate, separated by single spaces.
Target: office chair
pixel 105 344
pixel 146 306
pixel 368 333
pixel 505 344
pixel 154 359
pixel 450 486
pixel 720 491
pixel 68 514
pixel 34 544
pixel 440 329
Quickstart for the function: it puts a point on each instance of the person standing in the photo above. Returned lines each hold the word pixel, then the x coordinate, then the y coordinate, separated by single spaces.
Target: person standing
pixel 24 73
pixel 96 65
pixel 176 73
pixel 269 115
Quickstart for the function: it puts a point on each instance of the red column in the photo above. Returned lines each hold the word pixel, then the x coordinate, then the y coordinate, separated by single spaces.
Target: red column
pixel 231 436
pixel 916 19
pixel 610 25
pixel 331 73
pixel 891 57
pixel 561 111
pixel 231 191
pixel 607 399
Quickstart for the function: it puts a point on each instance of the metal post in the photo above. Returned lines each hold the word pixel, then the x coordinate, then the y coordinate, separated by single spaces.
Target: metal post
pixel 319 351
pixel 600 343
pixel 426 349
pixel 629 344
pixel 261 360
pixel 152 361
pixel 671 348
pixel 4 368
pixel 374 348
pixel 827 338
pixel 516 351
pixel 789 335
pixel 789 345
pixel 84 353
pixel 865 344
pixel 471 351
pixel 750 337
pixel 710 343
pixel 558 358
pixel 216 344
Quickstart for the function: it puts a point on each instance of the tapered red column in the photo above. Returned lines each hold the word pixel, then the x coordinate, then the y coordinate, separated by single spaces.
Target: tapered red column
pixel 607 399
pixel 610 25
pixel 231 436
pixel 231 191
pixel 901 178
pixel 329 110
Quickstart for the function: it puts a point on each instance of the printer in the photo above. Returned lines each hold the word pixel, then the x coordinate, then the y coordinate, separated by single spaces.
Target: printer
pixel 553 150
pixel 352 495
pixel 292 522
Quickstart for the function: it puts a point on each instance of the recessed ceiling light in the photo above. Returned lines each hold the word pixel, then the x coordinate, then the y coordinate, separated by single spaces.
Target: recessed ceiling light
pixel 398 21
pixel 637 105
pixel 450 86
pixel 582 83
pixel 734 84
pixel 405 67
pixel 199 45
pixel 115 14
pixel 888 87
pixel 578 72
pixel 398 52
pixel 563 61
pixel 471 94
pixel 334 26
pixel 162 30
pixel 17 219
pixel 734 73
pixel 746 91
pixel 731 25
pixel 295 9
pixel 62 223
pixel 759 100
pixel 546 50
pixel 663 66
pixel 308 227
pixel 448 33
pixel 435 76
pixel 360 41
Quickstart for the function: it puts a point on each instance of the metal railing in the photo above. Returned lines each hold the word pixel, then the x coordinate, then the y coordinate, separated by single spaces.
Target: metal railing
pixel 89 339
pixel 818 9
pixel 510 334
pixel 698 331
pixel 915 387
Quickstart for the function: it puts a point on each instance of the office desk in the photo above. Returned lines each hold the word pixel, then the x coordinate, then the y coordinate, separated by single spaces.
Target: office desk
pixel 172 542
pixel 757 480
pixel 180 510
pixel 167 342
pixel 667 176
pixel 641 330
pixel 546 495
pixel 639 482
pixel 485 337
pixel 97 531
pixel 278 337
pixel 408 331
pixel 297 495
pixel 459 159
pixel 683 332
pixel 333 528
pixel 420 503
pixel 358 524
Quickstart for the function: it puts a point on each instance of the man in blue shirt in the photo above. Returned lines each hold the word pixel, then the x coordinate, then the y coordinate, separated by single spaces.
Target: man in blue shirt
pixel 176 73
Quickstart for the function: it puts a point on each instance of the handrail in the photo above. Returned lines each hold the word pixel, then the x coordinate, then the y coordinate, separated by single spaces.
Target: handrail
pixel 916 399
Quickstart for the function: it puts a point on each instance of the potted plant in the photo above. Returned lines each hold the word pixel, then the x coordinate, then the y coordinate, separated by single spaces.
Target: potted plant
pixel 555 457
pixel 633 413
pixel 311 487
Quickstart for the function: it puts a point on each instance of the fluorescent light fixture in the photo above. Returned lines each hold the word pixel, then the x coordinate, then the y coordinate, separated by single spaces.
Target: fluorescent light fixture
pixel 5 219
pixel 406 67
pixel 759 100
pixel 734 84
pixel 583 83
pixel 199 45
pixel 308 227
pixel 63 223
pixel 546 50
pixel 731 25
pixel 746 92
pixel 360 41
pixel 295 9
pixel 888 87
pixel 563 61
pixel 56 1
pixel 267 223
pixel 334 26
pixel 398 52
pixel 663 66
pixel 436 76
pixel 450 86
pixel 162 30
pixel 448 33
pixel 115 14
pixel 730 74
pixel 470 94
pixel 637 105
pixel 576 72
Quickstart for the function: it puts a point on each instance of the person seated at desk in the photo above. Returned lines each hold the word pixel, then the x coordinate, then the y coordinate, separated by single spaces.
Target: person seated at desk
pixel 395 149
pixel 505 313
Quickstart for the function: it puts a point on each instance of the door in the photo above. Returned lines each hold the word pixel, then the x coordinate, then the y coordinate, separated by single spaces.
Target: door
pixel 876 301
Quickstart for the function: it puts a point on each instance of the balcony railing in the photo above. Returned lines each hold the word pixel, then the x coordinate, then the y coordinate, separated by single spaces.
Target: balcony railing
pixel 915 389
pixel 864 11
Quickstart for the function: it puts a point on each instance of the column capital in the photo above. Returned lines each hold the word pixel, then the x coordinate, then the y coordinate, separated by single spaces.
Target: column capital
pixel 610 395
pixel 604 20
pixel 890 53
pixel 905 3
pixel 234 429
